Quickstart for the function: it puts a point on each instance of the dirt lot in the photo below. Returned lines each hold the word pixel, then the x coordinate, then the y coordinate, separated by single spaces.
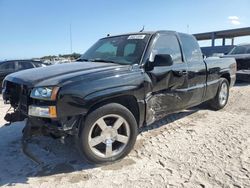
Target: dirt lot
pixel 195 148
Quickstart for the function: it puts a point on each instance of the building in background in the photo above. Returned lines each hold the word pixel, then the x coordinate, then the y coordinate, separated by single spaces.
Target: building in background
pixel 224 36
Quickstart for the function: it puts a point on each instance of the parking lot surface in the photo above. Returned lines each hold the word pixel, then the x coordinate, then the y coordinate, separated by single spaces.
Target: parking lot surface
pixel 194 148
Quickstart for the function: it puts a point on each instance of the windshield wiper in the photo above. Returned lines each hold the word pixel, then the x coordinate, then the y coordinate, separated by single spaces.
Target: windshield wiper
pixel 97 60
pixel 103 60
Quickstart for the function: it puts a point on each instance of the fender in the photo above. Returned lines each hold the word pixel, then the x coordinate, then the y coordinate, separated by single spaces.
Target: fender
pixel 105 94
pixel 78 105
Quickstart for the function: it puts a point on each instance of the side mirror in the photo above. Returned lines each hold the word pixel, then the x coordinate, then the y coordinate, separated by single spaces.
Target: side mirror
pixel 162 60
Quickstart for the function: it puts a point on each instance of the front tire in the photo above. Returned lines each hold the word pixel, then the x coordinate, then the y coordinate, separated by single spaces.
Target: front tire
pixel 108 134
pixel 221 98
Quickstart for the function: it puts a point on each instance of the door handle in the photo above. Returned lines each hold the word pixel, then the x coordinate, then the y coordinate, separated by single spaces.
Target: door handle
pixel 181 73
pixel 184 72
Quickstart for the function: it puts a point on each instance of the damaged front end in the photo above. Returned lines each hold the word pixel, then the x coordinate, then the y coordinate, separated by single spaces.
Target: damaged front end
pixel 16 96
pixel 42 112
pixel 23 106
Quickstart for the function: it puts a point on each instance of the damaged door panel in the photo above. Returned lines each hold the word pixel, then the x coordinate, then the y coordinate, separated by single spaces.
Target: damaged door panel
pixel 166 95
pixel 167 82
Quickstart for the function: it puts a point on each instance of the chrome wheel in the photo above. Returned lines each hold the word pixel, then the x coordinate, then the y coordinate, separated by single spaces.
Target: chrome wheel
pixel 223 95
pixel 108 136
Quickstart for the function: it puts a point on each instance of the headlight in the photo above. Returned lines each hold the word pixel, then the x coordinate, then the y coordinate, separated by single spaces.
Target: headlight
pixel 43 111
pixel 44 93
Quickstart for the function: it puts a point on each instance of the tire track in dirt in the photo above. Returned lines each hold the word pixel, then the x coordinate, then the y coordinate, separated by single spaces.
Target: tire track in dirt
pixel 194 148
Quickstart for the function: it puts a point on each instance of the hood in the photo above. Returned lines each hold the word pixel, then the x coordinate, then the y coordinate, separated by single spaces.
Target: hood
pixel 61 73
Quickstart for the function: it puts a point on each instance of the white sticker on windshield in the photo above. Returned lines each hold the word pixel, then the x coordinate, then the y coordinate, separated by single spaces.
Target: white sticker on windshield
pixel 136 37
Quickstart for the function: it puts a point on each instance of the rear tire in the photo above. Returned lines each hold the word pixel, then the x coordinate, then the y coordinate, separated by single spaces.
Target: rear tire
pixel 221 98
pixel 108 134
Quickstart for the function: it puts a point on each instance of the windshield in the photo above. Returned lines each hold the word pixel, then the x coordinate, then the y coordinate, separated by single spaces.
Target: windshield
pixel 126 49
pixel 241 50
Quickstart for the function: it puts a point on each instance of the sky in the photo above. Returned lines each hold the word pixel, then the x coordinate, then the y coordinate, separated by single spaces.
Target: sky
pixel 35 28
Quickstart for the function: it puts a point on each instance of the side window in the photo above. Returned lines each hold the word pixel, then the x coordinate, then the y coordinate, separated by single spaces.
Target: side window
pixel 191 48
pixel 24 65
pixel 8 67
pixel 168 44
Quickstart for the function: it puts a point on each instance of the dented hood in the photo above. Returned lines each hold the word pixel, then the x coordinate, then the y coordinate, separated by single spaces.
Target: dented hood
pixel 59 74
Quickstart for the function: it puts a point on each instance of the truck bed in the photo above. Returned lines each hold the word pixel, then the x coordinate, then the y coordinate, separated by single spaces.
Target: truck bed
pixel 225 65
pixel 243 75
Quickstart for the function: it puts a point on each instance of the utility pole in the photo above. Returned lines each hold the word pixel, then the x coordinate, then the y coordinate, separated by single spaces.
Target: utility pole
pixel 188 28
pixel 70 33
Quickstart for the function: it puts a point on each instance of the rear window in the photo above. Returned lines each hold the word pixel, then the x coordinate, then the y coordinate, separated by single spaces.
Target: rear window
pixel 191 48
pixel 129 49
pixel 107 49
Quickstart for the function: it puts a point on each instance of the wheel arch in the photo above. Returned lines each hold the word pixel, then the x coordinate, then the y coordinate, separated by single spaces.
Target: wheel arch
pixel 128 101
pixel 226 75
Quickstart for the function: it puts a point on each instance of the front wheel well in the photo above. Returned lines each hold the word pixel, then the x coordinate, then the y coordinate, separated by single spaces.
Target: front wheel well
pixel 226 76
pixel 130 102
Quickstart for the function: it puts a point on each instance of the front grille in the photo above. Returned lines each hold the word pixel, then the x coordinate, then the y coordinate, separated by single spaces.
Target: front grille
pixel 23 104
pixel 18 96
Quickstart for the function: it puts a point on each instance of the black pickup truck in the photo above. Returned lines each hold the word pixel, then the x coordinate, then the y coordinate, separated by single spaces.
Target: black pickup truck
pixel 121 83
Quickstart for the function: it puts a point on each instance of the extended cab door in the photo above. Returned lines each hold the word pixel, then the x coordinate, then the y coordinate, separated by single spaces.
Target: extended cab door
pixel 196 69
pixel 164 92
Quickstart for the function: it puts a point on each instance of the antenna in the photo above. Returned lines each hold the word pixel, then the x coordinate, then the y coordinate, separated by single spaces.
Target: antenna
pixel 142 29
pixel 188 28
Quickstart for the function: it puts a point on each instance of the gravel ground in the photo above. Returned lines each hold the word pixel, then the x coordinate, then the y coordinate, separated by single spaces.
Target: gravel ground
pixel 194 148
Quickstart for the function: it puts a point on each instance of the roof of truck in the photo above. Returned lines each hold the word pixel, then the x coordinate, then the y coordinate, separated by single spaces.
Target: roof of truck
pixel 141 33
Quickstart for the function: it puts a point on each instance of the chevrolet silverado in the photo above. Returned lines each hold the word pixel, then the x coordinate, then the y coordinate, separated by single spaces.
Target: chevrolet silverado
pixel 120 84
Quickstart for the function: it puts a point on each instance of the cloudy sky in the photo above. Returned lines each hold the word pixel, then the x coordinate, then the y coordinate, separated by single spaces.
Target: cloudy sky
pixel 34 28
pixel 234 20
